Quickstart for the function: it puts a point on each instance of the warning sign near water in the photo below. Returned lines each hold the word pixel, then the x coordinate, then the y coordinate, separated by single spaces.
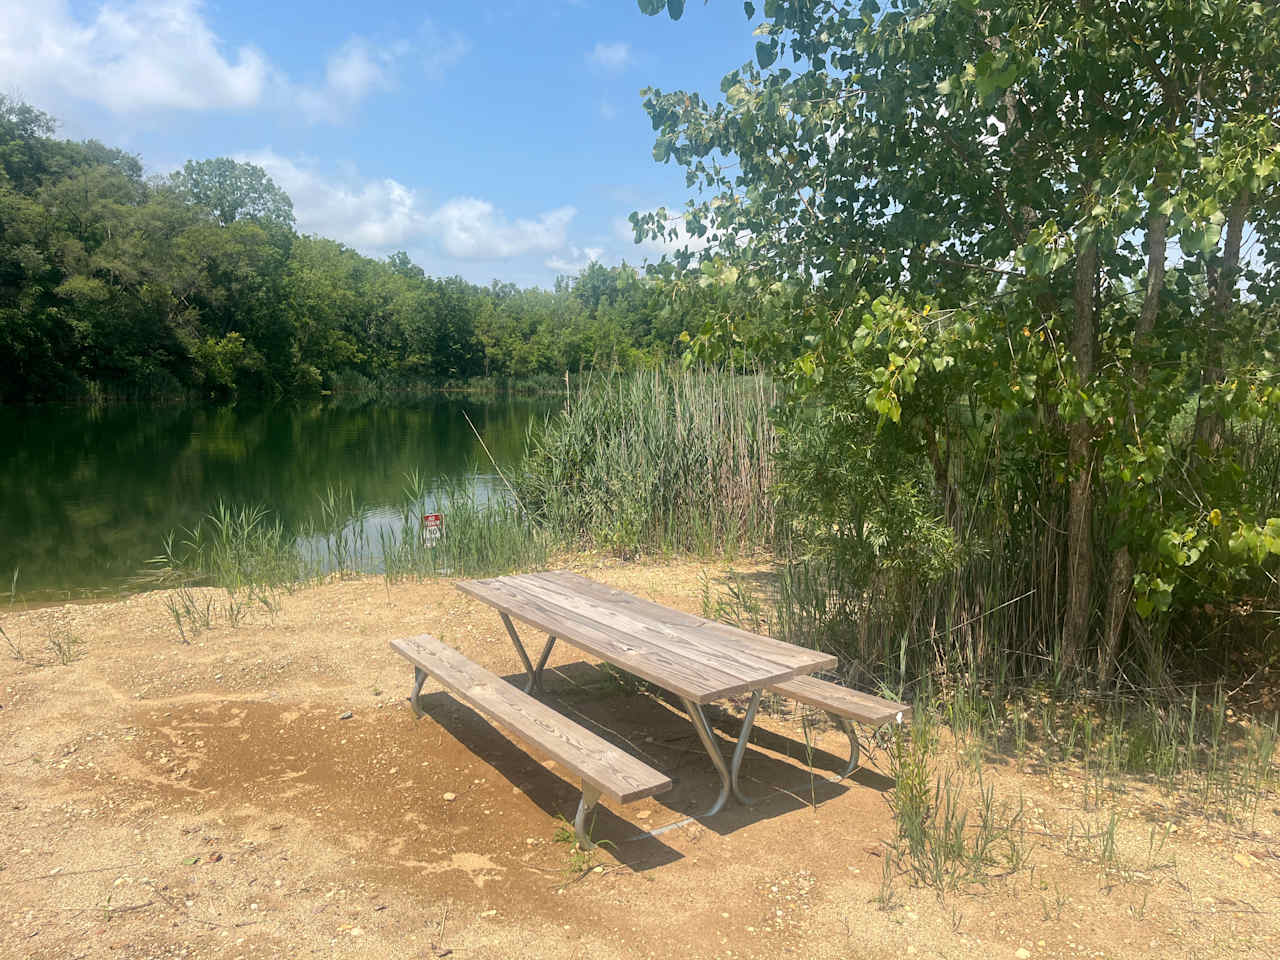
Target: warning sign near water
pixel 432 528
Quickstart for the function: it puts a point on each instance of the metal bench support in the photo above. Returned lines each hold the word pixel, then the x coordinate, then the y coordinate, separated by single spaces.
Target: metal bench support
pixel 590 797
pixel 855 750
pixel 419 678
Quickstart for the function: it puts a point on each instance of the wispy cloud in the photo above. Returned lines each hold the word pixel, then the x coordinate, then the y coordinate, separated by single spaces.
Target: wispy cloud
pixel 354 72
pixel 611 56
pixel 440 48
pixel 473 229
pixel 575 260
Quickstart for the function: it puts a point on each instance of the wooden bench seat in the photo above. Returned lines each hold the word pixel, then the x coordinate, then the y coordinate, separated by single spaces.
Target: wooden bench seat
pixel 845 706
pixel 604 768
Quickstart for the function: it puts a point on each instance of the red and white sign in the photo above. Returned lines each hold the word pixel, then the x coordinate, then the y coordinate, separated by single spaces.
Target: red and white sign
pixel 432 528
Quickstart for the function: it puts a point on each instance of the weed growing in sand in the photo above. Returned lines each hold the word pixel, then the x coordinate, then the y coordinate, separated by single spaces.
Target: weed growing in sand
pixel 15 651
pixel 1053 911
pixel 65 645
pixel 191 613
pixel 579 861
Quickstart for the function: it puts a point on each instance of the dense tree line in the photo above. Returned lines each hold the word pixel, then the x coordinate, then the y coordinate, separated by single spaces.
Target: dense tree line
pixel 114 284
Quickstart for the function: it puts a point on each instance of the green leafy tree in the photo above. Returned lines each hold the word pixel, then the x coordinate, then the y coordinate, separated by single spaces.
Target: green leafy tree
pixel 1012 233
pixel 231 191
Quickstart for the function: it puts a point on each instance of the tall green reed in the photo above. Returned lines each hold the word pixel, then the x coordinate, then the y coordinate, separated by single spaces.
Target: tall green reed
pixel 665 460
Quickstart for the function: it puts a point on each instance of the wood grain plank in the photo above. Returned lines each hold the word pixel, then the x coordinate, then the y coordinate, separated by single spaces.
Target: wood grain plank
pixel 671 672
pixel 686 627
pixel 705 650
pixel 689 655
pixel 615 773
pixel 853 704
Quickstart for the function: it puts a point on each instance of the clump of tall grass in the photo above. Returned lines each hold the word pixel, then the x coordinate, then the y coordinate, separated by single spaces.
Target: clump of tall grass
pixel 249 553
pixel 480 535
pixel 237 548
pixel 243 550
pixel 667 459
pixel 334 539
pixel 947 839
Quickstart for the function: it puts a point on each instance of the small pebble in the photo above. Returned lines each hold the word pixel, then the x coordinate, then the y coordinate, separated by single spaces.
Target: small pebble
pixel 450 797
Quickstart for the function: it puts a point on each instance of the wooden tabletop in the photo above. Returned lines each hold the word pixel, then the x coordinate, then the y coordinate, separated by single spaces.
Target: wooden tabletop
pixel 694 657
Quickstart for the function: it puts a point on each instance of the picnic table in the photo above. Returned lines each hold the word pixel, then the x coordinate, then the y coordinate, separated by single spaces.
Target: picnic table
pixel 698 660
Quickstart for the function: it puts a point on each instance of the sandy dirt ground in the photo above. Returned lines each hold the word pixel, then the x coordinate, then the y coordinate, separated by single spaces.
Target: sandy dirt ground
pixel 265 791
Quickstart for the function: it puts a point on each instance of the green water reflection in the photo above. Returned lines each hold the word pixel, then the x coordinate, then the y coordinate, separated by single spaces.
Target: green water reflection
pixel 87 495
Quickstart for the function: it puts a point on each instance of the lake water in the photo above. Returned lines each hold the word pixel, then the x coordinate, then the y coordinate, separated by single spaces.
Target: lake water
pixel 87 495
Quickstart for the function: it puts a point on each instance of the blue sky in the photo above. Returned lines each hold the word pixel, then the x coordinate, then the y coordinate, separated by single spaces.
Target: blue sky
pixel 489 140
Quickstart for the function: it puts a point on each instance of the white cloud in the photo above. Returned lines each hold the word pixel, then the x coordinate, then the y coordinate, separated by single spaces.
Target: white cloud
pixel 376 216
pixel 138 56
pixel 473 229
pixel 575 260
pixel 612 56
pixel 379 216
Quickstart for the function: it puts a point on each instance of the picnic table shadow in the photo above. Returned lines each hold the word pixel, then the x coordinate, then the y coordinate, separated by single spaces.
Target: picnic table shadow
pixel 655 729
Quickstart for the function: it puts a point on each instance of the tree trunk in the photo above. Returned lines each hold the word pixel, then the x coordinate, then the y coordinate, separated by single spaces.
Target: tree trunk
pixel 1210 424
pixel 1075 628
pixel 1157 240
pixel 1120 583
pixel 1119 590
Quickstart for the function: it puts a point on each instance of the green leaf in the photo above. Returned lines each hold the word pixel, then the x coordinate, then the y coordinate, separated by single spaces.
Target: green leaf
pixel 766 53
pixel 675 8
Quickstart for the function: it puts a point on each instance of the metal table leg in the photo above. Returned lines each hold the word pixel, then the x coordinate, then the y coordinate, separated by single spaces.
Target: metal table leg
pixel 741 749
pixel 728 774
pixel 534 680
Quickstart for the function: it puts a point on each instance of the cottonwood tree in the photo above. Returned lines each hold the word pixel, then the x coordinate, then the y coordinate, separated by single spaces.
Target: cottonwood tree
pixel 231 191
pixel 1051 224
